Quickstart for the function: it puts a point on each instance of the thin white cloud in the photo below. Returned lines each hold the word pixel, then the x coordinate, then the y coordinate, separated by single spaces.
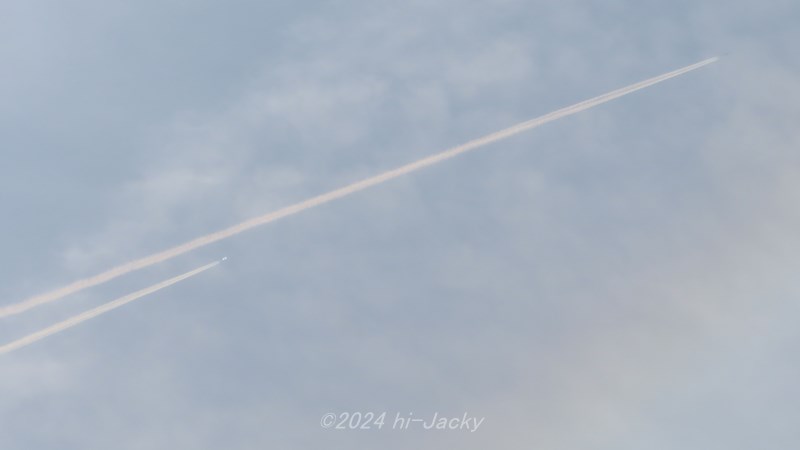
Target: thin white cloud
pixel 102 309
pixel 338 193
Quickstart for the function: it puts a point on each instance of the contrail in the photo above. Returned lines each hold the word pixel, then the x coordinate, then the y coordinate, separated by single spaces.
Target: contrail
pixel 338 193
pixel 102 309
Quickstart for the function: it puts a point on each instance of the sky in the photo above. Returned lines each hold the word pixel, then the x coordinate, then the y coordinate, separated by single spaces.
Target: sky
pixel 623 278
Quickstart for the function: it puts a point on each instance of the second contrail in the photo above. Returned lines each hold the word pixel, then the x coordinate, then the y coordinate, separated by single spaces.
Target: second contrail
pixel 338 193
pixel 102 309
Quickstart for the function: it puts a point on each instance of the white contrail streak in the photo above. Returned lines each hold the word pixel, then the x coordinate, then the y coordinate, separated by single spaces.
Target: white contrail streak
pixel 102 309
pixel 338 193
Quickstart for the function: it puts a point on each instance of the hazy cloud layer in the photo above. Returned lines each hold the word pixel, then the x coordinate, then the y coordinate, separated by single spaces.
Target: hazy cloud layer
pixel 625 278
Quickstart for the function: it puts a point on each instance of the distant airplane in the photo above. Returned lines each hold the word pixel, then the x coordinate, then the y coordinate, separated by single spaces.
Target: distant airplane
pixel 224 258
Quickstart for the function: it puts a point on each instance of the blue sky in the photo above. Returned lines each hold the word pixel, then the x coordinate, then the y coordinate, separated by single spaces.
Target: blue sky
pixel 623 278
